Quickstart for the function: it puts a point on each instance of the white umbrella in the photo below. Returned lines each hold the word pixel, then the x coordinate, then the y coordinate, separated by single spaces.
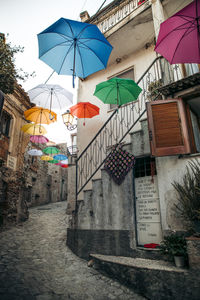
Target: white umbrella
pixel 64 162
pixel 51 96
pixel 35 152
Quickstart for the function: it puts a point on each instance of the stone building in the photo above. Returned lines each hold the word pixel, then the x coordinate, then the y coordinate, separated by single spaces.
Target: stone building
pixel 45 182
pixel 13 143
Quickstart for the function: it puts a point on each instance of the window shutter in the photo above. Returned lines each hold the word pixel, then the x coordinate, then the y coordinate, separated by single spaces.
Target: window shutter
pixel 168 129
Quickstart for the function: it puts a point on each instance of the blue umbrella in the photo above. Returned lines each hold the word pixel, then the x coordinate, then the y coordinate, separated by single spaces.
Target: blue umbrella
pixel 74 48
pixel 60 157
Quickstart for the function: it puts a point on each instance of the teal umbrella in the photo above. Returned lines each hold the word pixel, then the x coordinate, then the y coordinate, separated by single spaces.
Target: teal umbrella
pixel 117 91
pixel 51 150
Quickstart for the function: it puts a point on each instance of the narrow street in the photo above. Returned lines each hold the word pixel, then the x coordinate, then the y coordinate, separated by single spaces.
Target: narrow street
pixel 35 263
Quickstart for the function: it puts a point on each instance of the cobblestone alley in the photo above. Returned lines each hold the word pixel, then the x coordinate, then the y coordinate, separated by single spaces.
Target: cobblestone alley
pixel 35 263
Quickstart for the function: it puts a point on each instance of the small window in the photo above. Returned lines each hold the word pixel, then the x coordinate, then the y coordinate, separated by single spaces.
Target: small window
pixel 129 74
pixel 145 166
pixel 5 123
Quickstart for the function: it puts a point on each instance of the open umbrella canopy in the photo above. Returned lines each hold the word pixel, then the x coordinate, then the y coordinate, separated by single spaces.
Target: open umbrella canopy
pixel 53 161
pixel 46 157
pixel 51 96
pixel 35 152
pixel 84 110
pixel 74 48
pixel 51 150
pixel 33 129
pixel 40 115
pixel 38 139
pixel 64 162
pixel 60 157
pixel 64 166
pixel 179 36
pixel 117 91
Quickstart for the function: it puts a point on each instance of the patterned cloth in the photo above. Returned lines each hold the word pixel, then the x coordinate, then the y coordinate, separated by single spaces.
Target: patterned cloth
pixel 118 164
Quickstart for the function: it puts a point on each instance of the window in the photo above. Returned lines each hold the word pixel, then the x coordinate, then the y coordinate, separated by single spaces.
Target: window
pixel 145 166
pixel 174 126
pixel 127 74
pixel 5 123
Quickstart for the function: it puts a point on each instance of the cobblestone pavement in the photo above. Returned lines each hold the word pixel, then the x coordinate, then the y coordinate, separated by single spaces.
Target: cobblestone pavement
pixel 35 263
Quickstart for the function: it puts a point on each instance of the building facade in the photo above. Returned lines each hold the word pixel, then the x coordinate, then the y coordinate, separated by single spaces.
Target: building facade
pixel 120 219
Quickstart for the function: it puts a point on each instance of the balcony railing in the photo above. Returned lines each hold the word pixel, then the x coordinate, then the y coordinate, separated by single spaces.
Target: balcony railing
pixel 119 15
pixel 160 73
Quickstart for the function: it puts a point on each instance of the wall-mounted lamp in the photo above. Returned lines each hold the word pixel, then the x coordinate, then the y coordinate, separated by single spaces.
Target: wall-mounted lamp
pixel 68 119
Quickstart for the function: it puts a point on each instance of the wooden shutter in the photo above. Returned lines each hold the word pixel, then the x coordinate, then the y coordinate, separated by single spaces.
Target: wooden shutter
pixel 168 129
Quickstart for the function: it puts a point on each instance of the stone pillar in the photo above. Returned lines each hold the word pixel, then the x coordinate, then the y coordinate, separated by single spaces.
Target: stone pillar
pixel 158 15
pixel 193 249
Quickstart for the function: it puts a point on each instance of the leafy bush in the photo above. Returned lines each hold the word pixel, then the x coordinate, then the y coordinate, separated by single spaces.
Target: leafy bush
pixel 188 206
pixel 174 245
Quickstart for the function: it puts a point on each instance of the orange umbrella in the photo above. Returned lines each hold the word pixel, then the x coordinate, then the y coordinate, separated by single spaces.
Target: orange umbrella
pixel 84 110
pixel 40 115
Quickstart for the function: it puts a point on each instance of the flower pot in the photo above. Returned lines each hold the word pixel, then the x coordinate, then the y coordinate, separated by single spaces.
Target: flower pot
pixel 179 261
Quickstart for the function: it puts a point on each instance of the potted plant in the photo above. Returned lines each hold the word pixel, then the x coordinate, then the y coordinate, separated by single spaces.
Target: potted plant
pixel 188 196
pixel 174 245
pixel 153 92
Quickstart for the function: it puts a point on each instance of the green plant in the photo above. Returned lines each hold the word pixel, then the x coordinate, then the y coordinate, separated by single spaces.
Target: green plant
pixel 174 245
pixel 188 206
pixel 153 86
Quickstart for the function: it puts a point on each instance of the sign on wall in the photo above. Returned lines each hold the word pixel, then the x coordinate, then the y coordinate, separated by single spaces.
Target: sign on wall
pixel 11 162
pixel 147 211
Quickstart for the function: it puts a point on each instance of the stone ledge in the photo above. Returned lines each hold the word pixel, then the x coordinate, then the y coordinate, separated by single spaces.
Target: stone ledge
pixel 141 263
pixel 156 280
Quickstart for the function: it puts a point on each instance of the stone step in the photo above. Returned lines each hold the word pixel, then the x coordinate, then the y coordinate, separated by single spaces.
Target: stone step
pixel 159 280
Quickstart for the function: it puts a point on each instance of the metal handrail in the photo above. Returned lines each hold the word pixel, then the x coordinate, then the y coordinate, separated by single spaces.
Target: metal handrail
pixel 122 120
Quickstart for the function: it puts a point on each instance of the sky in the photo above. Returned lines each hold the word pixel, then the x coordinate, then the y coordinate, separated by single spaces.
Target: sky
pixel 23 20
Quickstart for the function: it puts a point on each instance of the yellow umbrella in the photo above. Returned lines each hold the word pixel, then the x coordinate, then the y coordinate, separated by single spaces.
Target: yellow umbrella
pixel 33 129
pixel 40 115
pixel 46 157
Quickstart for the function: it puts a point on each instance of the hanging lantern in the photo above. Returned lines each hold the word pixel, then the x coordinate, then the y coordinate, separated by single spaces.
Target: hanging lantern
pixel 68 120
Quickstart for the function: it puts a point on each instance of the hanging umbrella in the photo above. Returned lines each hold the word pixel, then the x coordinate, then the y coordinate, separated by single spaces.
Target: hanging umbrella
pixel 39 139
pixel 53 161
pixel 74 48
pixel 50 143
pixel 84 110
pixel 64 166
pixel 40 115
pixel 60 157
pixel 117 91
pixel 51 96
pixel 35 152
pixel 46 157
pixel 51 150
pixel 179 36
pixel 33 129
pixel 64 162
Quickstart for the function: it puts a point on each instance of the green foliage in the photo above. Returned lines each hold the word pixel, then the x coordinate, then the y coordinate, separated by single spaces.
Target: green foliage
pixel 188 206
pixel 8 72
pixel 153 92
pixel 174 245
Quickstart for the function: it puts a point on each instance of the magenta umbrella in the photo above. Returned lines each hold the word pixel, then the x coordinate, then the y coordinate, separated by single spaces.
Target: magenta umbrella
pixel 40 139
pixel 179 36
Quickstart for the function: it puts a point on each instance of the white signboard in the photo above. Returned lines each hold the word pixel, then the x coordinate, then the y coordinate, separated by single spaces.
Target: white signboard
pixel 11 162
pixel 147 211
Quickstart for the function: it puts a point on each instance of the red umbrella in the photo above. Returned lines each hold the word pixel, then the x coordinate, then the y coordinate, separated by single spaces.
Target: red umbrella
pixel 179 36
pixel 84 110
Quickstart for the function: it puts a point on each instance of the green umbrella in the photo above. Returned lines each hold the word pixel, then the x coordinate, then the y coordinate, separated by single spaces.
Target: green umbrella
pixel 53 161
pixel 51 150
pixel 117 91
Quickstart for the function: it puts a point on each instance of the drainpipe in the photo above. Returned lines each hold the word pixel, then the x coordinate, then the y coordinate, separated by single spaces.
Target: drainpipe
pixel 158 15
